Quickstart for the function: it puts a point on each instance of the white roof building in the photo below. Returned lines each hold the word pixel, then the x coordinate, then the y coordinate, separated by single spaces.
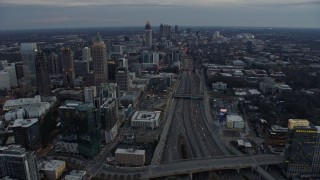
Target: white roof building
pixel 31 107
pixel 16 103
pixel 235 121
pixel 146 119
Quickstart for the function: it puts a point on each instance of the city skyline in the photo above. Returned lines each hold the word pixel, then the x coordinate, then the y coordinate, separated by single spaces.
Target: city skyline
pixel 33 14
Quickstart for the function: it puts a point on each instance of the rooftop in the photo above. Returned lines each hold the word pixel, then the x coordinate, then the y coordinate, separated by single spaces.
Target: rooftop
pixel 278 128
pixel 292 123
pixel 21 102
pixel 75 175
pixel 130 151
pixel 12 149
pixel 51 164
pixel 25 122
pixel 146 115
pixel 234 118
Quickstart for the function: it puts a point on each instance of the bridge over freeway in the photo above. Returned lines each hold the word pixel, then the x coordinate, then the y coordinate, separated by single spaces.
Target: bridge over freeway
pixel 188 96
pixel 209 164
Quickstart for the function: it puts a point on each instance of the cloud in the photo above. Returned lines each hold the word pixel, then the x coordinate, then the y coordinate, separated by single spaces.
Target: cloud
pixel 66 3
pixel 100 13
pixel 285 4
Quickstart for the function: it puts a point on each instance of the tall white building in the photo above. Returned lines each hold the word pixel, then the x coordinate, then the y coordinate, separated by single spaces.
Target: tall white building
pixel 89 94
pixel 148 35
pixel 4 80
pixel 216 34
pixel 86 54
pixel 11 68
pixel 150 57
pixel 28 52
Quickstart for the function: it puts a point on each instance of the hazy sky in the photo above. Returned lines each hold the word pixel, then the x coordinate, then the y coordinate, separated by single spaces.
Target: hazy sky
pixel 25 14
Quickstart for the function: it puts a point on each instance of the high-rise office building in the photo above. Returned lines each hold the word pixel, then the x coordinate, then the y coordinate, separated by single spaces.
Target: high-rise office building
pixel 28 51
pixel 109 110
pixel 86 54
pixel 302 153
pixel 99 57
pixel 11 69
pixel 54 64
pixel 188 30
pixel 150 57
pixel 19 70
pixel 81 68
pixel 112 67
pixel 68 66
pixel 176 29
pixel 88 124
pixel 4 80
pixel 109 113
pixel 43 80
pixel 148 35
pixel 16 163
pixel 165 31
pixel 123 78
pixel 27 133
pixel 89 94
pixel 81 122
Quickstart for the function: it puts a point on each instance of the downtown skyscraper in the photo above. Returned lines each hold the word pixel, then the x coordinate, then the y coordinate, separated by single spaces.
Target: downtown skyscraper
pixel 99 57
pixel 28 51
pixel 43 80
pixel 86 54
pixel 67 67
pixel 54 64
pixel 148 35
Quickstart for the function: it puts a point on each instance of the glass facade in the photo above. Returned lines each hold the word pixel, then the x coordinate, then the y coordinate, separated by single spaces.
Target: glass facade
pixel 82 121
pixel 302 151
pixel 28 51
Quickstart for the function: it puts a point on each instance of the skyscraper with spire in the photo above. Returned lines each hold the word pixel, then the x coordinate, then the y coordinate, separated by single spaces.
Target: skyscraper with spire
pixel 148 35
pixel 43 80
pixel 99 57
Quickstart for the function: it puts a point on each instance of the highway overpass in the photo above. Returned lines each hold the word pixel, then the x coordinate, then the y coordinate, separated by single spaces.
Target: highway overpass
pixel 215 163
pixel 188 96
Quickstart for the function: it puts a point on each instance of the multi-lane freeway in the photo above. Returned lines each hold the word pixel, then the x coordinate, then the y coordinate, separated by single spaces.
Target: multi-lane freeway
pixel 189 122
